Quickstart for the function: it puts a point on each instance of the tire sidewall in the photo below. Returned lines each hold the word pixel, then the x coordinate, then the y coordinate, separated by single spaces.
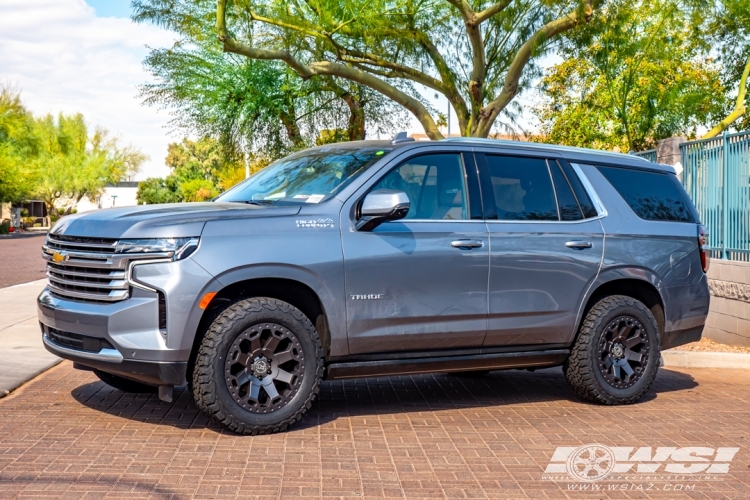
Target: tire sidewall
pixel 648 322
pixel 309 374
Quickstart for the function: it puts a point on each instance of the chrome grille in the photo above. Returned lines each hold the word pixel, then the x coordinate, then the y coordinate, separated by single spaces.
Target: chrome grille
pixel 85 269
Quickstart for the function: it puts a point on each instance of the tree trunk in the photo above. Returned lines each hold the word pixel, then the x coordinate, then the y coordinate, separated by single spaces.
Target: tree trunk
pixel 356 127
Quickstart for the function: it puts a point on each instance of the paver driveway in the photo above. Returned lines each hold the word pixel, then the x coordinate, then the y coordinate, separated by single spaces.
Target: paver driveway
pixel 65 434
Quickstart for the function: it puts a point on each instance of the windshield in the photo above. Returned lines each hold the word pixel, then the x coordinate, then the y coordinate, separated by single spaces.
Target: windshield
pixel 309 177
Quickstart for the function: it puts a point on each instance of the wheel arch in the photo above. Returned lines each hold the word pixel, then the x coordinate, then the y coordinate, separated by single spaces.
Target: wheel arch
pixel 239 286
pixel 639 284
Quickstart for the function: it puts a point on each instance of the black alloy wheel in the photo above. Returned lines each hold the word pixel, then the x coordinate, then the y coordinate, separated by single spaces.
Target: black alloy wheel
pixel 259 366
pixel 264 368
pixel 615 355
pixel 624 352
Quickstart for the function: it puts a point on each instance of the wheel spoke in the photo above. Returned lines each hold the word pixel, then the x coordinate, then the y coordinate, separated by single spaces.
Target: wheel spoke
pixel 243 359
pixel 284 376
pixel 243 378
pixel 272 343
pixel 633 356
pixel 254 390
pixel 632 342
pixel 616 371
pixel 255 344
pixel 627 369
pixel 270 388
pixel 284 356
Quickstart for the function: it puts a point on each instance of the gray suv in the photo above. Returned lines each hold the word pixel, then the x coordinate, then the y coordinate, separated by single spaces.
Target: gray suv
pixel 379 258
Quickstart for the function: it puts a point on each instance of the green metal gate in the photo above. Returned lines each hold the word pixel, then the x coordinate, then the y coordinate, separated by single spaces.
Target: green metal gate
pixel 717 177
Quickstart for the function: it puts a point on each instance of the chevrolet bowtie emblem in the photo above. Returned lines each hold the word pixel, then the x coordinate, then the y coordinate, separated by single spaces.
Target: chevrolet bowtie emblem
pixel 58 257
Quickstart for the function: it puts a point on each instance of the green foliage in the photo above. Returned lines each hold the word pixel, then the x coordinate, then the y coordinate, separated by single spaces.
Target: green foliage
pixel 156 190
pixel 254 106
pixel 17 146
pixel 56 160
pixel 200 170
pixel 626 83
pixel 72 163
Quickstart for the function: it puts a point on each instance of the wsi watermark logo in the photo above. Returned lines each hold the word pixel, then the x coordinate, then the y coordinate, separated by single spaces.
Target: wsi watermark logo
pixel 596 462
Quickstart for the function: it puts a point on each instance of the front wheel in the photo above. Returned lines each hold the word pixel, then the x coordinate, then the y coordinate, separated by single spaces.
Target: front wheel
pixel 259 367
pixel 616 354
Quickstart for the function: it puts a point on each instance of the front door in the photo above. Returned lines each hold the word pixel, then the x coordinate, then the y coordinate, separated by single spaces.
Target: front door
pixel 420 283
pixel 546 246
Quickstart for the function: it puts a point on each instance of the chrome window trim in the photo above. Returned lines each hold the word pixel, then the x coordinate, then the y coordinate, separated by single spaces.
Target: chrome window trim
pixel 590 190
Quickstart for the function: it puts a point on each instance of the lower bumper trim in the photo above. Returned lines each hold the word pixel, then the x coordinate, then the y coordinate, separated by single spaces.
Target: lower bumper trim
pixel 106 355
pixel 147 372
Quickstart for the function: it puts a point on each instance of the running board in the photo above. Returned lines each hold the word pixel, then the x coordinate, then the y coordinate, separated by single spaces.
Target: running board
pixel 495 361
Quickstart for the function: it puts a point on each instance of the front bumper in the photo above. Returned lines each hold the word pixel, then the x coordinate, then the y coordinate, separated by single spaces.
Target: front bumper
pixel 124 337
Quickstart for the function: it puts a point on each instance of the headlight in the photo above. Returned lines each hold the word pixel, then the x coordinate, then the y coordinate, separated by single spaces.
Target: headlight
pixel 179 247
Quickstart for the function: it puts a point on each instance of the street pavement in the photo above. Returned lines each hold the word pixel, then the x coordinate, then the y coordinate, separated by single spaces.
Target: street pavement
pixel 67 435
pixel 21 260
pixel 22 354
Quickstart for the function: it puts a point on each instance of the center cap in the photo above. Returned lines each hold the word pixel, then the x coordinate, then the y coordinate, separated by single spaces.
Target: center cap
pixel 617 351
pixel 260 366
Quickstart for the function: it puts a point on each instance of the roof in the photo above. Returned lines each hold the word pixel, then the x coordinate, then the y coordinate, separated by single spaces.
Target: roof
pixel 568 152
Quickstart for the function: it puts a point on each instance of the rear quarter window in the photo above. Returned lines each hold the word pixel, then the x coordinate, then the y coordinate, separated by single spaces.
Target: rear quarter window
pixel 652 195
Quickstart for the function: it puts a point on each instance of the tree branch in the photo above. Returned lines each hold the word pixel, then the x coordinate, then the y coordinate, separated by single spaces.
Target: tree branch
pixel 510 88
pixel 327 68
pixel 739 107
pixel 491 11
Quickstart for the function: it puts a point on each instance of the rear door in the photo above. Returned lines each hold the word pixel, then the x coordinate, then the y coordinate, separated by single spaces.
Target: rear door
pixel 546 246
pixel 420 283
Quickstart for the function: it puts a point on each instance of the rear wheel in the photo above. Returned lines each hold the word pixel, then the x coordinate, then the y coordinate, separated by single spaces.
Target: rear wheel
pixel 259 367
pixel 124 384
pixel 616 354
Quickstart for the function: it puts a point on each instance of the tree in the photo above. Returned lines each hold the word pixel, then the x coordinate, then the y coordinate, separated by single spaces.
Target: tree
pixel 251 106
pixel 72 164
pixel 729 31
pixel 199 171
pixel 626 83
pixel 156 190
pixel 17 146
pixel 474 53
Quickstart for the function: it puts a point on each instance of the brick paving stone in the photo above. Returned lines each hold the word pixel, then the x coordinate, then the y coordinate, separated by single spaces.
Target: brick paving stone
pixel 67 435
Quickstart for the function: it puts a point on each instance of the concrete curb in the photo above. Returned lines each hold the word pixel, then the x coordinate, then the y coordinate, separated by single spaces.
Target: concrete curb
pixel 701 359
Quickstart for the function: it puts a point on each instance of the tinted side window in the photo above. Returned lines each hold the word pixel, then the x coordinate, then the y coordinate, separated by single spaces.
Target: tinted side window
pixel 569 209
pixel 522 188
pixel 435 185
pixel 651 195
pixel 587 206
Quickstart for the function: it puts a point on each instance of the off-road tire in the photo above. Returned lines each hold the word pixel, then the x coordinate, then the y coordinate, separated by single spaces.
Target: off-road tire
pixel 210 390
pixel 124 384
pixel 582 366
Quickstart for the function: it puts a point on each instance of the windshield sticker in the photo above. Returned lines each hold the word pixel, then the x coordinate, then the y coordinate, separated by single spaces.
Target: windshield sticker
pixel 315 223
pixel 315 198
pixel 301 196
pixel 276 196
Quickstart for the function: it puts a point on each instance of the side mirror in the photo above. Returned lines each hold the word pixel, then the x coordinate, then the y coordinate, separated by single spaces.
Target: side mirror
pixel 380 206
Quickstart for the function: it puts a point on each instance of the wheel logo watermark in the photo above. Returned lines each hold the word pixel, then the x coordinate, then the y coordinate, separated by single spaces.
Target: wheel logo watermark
pixel 600 467
pixel 592 462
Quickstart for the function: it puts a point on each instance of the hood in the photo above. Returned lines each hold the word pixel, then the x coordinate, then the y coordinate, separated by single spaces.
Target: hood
pixel 173 220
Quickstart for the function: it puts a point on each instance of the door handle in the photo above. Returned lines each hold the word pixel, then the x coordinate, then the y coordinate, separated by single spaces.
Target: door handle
pixel 467 244
pixel 579 245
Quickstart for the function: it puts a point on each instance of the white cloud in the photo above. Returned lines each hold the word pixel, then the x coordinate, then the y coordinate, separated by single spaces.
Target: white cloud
pixel 65 59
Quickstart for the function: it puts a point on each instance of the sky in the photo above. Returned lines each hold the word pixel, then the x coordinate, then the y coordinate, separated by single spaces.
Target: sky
pixel 77 56
pixel 86 56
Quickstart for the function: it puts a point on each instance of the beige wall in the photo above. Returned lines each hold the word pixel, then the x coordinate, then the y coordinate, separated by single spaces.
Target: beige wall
pixel 729 316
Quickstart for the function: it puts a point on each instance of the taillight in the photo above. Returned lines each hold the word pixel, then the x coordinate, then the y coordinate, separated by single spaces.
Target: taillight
pixel 703 247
